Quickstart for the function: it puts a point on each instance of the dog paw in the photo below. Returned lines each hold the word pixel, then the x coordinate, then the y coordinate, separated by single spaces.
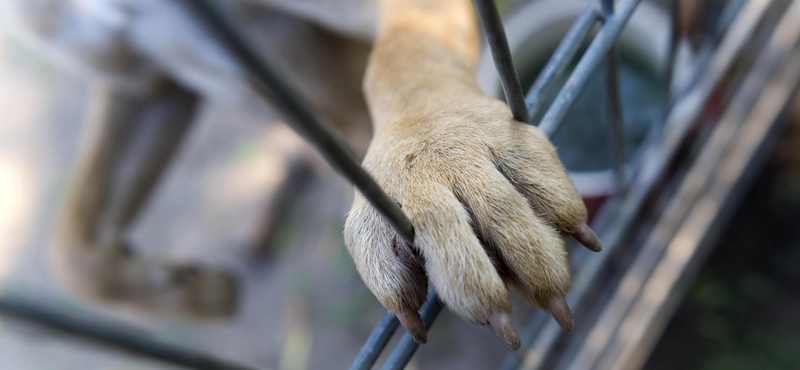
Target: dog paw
pixel 490 203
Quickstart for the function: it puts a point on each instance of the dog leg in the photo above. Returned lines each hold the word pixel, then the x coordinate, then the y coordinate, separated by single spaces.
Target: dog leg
pixel 135 136
pixel 488 196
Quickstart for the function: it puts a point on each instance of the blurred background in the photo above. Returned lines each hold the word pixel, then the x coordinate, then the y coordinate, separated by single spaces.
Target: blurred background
pixel 223 201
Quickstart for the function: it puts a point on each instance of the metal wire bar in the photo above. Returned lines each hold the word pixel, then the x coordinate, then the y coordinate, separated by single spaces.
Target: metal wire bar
pixel 113 334
pixel 405 349
pixel 496 37
pixel 615 119
pixel 376 342
pixel 560 59
pixel 301 115
pixel 597 50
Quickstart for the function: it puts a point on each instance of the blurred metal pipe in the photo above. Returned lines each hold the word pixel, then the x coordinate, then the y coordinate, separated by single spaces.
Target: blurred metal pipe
pixel 496 37
pixel 562 56
pixel 597 50
pixel 111 333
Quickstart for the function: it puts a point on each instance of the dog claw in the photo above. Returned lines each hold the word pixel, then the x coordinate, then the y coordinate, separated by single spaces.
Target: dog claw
pixel 412 322
pixel 502 326
pixel 588 238
pixel 557 306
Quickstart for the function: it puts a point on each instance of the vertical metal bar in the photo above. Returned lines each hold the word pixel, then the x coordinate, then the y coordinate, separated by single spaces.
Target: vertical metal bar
pixel 560 59
pixel 598 49
pixel 376 342
pixel 496 37
pixel 406 348
pixel 615 119
pixel 301 114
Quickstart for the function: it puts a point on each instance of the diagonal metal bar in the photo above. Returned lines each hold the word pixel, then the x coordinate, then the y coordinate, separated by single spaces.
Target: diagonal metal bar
pixel 560 59
pixel 496 37
pixel 112 333
pixel 301 115
pixel 598 49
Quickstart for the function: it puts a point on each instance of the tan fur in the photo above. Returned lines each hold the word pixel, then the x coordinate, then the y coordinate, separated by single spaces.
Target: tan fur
pixel 487 195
